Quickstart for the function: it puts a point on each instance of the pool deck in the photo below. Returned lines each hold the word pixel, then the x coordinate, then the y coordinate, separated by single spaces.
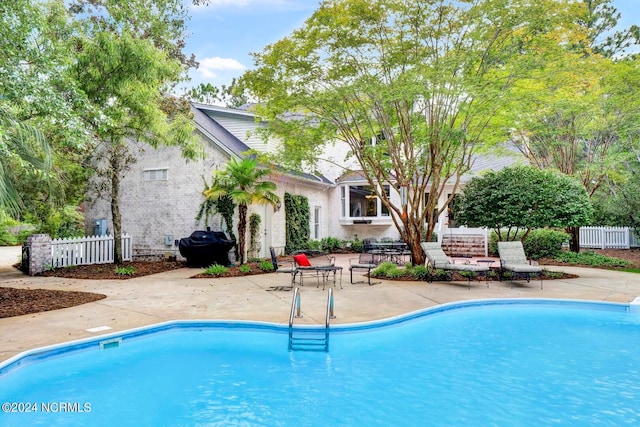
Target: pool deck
pixel 175 295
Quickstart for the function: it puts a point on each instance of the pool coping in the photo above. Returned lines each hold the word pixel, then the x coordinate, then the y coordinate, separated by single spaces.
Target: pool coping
pixel 31 356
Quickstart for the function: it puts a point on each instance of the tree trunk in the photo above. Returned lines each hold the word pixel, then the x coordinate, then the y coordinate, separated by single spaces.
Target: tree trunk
pixel 242 230
pixel 115 207
pixel 574 239
pixel 413 238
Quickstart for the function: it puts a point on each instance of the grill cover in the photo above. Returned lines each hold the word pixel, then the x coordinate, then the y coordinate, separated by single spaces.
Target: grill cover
pixel 205 248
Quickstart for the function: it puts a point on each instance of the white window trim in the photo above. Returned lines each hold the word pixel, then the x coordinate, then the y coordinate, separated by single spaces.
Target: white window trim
pixel 347 219
pixel 146 174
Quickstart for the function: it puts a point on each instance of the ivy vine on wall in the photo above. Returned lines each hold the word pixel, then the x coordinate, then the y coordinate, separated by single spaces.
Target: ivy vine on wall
pixel 254 233
pixel 297 217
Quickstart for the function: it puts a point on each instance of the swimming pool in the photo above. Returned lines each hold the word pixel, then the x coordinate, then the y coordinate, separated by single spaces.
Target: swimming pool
pixel 490 362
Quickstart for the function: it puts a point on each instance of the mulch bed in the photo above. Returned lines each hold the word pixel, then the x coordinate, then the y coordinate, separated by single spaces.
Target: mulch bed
pixel 17 302
pixel 108 271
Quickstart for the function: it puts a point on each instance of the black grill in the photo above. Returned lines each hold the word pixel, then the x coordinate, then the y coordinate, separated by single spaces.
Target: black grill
pixel 205 248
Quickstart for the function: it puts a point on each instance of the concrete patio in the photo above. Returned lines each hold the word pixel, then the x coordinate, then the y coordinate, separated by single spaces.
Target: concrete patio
pixel 174 295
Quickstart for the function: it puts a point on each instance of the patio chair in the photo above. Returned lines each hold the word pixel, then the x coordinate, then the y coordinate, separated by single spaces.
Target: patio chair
pixel 514 260
pixel 312 263
pixel 366 261
pixel 437 259
pixel 287 267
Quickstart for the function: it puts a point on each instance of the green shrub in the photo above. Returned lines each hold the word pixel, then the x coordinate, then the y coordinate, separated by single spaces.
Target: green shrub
pixel 125 270
pixel 216 270
pixel 468 274
pixel 440 274
pixel 544 243
pixel 552 274
pixel 389 270
pixel 357 245
pixel 331 244
pixel 62 223
pixel 420 272
pixel 590 258
pixel 315 245
pixel 244 269
pixel 7 238
pixel 266 265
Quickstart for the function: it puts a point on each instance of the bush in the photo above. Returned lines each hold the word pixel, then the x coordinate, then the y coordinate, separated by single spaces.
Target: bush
pixel 63 223
pixel 357 245
pixel 265 266
pixel 314 245
pixel 591 258
pixel 331 244
pixel 125 270
pixel 420 272
pixel 388 270
pixel 544 243
pixel 6 237
pixel 244 269
pixel 216 270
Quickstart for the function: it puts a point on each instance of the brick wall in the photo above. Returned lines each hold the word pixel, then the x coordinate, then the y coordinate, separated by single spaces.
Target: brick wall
pixel 36 254
pixel 472 246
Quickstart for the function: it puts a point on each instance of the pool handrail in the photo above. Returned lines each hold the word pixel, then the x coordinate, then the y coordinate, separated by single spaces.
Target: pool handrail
pixel 328 319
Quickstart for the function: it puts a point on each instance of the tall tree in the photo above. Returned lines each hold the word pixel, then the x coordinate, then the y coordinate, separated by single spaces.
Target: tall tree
pixel 127 58
pixel 231 96
pixel 242 180
pixel 37 102
pixel 567 115
pixel 24 148
pixel 425 79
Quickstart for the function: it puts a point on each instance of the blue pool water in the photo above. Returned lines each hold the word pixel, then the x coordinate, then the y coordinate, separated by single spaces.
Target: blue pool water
pixel 504 363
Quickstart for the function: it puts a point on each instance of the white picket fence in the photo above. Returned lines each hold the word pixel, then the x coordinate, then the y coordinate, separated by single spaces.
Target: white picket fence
pixel 87 250
pixel 608 238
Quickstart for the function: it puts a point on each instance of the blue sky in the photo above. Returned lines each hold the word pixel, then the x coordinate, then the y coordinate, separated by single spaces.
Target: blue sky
pixel 225 32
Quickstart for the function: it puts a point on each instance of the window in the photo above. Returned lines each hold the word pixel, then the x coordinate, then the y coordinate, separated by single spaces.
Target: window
pixel 155 174
pixel 364 203
pixel 343 200
pixel 316 223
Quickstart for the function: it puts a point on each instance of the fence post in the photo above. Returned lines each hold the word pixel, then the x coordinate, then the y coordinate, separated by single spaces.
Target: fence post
pixel 38 253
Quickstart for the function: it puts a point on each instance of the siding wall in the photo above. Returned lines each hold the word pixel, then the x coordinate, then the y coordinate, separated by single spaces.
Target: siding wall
pixel 244 128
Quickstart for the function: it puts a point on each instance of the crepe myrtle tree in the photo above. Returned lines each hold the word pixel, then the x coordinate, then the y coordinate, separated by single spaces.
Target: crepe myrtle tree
pixel 523 198
pixel 425 80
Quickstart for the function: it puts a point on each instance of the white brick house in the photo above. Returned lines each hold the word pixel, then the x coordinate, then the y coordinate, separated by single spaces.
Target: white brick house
pixel 161 194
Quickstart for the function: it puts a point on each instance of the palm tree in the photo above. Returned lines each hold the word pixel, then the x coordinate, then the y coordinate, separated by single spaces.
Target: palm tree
pixel 241 180
pixel 22 147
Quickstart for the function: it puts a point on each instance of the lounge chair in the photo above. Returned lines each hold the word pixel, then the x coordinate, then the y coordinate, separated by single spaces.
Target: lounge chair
pixel 514 260
pixel 437 259
pixel 287 267
pixel 366 261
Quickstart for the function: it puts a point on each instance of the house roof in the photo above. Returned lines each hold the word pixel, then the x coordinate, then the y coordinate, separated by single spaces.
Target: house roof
pixel 504 157
pixel 495 161
pixel 230 143
pixel 217 133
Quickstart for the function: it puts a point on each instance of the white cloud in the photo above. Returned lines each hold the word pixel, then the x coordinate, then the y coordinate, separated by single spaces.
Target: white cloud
pixel 209 66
